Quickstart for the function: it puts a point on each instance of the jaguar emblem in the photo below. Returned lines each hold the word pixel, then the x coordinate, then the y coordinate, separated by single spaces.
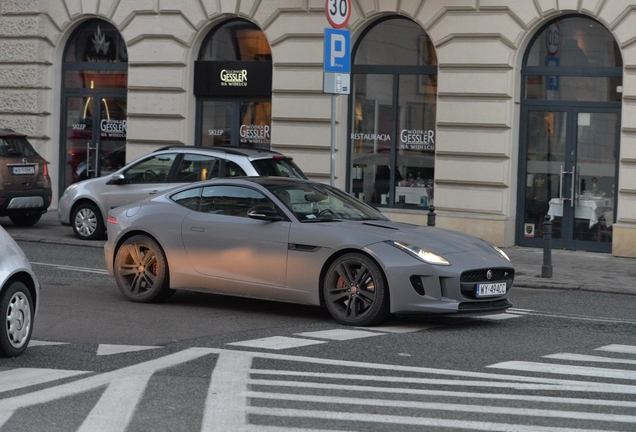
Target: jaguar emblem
pixel 489 274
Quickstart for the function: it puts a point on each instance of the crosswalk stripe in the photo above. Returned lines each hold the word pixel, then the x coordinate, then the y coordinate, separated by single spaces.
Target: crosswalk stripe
pixel 401 328
pixel 444 393
pixel 490 409
pixel 556 385
pixel 566 370
pixel 410 421
pixel 627 349
pixel 276 343
pixel 106 349
pixel 339 334
pixel 24 377
pixel 588 358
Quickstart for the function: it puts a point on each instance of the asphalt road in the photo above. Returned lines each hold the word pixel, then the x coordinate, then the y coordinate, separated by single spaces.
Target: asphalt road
pixel 559 361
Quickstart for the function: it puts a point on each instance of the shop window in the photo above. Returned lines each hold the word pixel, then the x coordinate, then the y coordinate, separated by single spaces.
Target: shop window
pixel 233 85
pixel 393 135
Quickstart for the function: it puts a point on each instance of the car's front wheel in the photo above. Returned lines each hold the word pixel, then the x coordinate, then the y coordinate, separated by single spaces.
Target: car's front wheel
pixel 355 291
pixel 87 222
pixel 141 270
pixel 25 220
pixel 16 307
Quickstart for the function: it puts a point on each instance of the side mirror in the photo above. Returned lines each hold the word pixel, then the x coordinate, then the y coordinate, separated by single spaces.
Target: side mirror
pixel 264 213
pixel 117 178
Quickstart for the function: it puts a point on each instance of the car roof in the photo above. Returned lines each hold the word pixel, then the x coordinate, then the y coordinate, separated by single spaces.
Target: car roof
pixel 252 153
pixel 5 132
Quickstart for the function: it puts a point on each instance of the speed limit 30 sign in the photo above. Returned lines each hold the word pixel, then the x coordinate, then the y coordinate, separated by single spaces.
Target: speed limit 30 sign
pixel 338 12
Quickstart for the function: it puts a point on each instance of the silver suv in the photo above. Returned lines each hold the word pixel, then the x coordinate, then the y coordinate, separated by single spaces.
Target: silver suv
pixel 85 205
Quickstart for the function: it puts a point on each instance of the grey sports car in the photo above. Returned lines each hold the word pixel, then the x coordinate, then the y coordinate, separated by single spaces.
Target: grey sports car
pixel 304 242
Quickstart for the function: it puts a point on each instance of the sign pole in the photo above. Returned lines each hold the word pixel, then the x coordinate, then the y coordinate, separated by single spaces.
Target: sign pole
pixel 333 139
pixel 337 63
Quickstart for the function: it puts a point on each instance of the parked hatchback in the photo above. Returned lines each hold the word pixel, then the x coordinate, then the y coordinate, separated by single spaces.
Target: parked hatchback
pixel 85 205
pixel 19 297
pixel 25 185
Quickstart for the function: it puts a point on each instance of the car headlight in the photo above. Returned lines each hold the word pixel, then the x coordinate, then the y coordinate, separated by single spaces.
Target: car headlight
pixel 70 188
pixel 503 254
pixel 421 254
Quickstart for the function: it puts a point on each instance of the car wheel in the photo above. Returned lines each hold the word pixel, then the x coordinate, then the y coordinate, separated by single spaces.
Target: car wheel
pixel 141 270
pixel 16 307
pixel 26 219
pixel 88 223
pixel 355 292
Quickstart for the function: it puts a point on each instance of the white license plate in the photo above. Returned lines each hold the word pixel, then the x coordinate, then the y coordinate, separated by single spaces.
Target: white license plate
pixel 23 170
pixel 491 289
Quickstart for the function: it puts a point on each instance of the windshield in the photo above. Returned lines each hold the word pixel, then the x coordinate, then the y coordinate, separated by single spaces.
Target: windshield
pixel 16 147
pixel 278 167
pixel 312 202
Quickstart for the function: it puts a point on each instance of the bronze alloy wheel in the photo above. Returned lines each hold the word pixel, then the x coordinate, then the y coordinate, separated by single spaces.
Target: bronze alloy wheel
pixel 355 291
pixel 141 270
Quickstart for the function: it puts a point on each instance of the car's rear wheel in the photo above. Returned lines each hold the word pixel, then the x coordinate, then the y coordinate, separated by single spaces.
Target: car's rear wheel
pixel 355 291
pixel 141 270
pixel 16 307
pixel 26 219
pixel 88 223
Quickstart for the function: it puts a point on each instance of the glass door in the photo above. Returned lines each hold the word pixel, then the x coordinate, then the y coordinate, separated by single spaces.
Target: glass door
pixel 96 129
pixel 592 207
pixel 570 175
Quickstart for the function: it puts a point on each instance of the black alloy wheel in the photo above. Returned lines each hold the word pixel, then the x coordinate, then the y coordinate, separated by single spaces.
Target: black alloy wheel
pixel 355 291
pixel 141 270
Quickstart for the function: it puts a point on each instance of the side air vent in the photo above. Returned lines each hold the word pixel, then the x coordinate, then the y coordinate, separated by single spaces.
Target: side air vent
pixel 418 286
pixel 303 248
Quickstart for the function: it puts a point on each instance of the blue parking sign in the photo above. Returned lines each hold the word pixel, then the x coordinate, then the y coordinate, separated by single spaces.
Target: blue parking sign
pixel 337 51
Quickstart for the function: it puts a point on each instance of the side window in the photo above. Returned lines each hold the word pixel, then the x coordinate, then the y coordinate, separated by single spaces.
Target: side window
pixel 196 167
pixel 231 200
pixel 188 198
pixel 233 170
pixel 153 169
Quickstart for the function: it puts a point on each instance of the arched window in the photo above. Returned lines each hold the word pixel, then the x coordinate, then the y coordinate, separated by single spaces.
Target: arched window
pixel 94 102
pixel 233 85
pixel 393 107
pixel 570 129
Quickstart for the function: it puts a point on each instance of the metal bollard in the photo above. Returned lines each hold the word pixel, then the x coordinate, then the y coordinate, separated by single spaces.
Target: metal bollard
pixel 546 268
pixel 431 216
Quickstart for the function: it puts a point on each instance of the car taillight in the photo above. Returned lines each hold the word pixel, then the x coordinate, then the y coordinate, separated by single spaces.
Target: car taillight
pixel 45 170
pixel 112 220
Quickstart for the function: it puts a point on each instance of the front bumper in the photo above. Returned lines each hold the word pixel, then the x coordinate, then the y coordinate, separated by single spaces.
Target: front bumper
pixel 419 288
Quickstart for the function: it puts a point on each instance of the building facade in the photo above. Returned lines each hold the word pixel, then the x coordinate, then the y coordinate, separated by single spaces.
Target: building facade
pixel 497 112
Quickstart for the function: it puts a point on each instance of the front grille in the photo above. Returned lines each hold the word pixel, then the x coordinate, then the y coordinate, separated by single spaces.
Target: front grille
pixel 470 279
pixel 480 275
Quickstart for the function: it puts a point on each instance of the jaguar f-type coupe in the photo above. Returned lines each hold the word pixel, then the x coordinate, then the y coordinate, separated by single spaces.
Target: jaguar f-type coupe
pixel 304 242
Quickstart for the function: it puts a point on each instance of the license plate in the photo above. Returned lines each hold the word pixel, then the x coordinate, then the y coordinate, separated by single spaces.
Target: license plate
pixel 491 289
pixel 23 170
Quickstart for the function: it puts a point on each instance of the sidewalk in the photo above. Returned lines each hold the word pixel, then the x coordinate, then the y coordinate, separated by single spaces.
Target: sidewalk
pixel 571 269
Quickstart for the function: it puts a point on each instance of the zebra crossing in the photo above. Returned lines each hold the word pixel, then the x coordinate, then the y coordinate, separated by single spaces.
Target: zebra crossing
pixel 272 391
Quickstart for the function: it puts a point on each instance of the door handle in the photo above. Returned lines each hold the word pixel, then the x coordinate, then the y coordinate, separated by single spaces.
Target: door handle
pixel 561 185
pixel 153 192
pixel 198 229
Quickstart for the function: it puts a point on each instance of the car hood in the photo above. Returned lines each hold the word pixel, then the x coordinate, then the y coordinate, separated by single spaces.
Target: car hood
pixel 437 240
